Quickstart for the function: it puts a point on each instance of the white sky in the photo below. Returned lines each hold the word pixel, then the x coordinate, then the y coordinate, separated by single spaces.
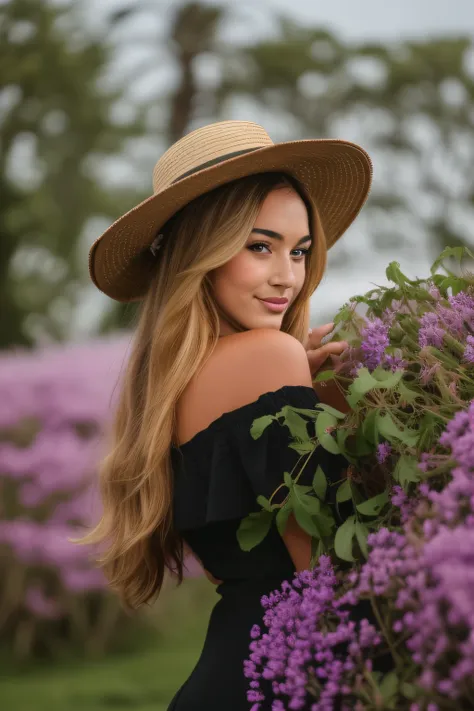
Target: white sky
pixel 351 20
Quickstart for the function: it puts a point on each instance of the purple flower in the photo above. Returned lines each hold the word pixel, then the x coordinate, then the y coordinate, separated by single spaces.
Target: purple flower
pixel 469 350
pixel 375 341
pixel 431 333
pixel 406 504
pixel 309 636
pixel 394 362
pixel 383 451
pixel 440 617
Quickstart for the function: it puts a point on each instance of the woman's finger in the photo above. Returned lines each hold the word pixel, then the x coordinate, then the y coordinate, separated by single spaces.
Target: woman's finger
pixel 316 334
pixel 316 357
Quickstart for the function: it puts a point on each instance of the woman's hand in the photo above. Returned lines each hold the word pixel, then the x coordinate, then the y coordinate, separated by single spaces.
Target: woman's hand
pixel 329 392
pixel 318 353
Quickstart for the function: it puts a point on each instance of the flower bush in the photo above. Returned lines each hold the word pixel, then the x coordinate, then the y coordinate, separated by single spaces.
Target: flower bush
pixel 55 406
pixel 385 617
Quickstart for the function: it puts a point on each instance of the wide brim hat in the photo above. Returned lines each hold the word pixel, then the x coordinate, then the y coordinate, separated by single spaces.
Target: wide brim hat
pixel 336 174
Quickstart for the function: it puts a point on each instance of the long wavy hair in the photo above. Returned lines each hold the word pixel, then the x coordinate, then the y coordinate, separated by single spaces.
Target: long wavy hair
pixel 177 329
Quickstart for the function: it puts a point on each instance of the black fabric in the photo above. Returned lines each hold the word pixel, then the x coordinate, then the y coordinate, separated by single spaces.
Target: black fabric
pixel 218 475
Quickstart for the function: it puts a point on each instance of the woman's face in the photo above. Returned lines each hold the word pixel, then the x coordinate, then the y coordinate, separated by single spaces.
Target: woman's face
pixel 269 265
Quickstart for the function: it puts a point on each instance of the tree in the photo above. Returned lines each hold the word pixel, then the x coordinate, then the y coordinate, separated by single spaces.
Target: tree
pixel 57 112
pixel 413 102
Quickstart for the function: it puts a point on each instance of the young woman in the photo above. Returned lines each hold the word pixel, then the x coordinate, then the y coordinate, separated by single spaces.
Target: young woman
pixel 236 224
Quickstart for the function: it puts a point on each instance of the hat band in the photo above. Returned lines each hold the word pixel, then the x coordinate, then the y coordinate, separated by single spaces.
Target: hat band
pixel 215 161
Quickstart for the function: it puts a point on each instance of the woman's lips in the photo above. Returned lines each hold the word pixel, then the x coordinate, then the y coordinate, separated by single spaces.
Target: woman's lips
pixel 278 308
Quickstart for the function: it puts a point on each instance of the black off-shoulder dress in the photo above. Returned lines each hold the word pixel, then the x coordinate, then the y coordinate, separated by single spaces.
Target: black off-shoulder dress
pixel 218 475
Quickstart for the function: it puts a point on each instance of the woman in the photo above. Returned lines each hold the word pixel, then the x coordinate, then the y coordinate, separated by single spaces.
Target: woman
pixel 234 220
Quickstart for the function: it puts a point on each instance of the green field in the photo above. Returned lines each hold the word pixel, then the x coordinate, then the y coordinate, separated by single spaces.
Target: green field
pixel 143 680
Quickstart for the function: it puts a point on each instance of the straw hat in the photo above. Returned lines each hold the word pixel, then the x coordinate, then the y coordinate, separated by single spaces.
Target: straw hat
pixel 336 174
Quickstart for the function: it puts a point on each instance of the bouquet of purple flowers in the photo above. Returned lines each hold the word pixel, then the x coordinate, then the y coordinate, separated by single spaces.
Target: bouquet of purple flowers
pixel 384 619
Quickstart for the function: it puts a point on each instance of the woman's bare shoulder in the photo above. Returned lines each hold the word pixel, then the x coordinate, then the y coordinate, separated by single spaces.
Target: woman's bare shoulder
pixel 242 367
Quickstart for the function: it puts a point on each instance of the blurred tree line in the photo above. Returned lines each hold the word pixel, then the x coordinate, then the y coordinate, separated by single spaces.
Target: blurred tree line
pixel 413 102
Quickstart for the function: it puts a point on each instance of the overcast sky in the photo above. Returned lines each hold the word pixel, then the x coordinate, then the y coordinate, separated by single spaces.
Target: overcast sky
pixel 351 20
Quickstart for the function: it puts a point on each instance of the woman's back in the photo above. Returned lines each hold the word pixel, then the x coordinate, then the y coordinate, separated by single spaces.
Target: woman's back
pixel 219 470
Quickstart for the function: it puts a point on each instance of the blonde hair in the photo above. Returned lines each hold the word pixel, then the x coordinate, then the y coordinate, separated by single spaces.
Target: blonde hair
pixel 177 330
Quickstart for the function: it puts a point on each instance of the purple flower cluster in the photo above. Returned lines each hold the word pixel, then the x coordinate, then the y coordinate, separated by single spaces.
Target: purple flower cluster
pixel 55 405
pixel 456 319
pixel 431 333
pixel 438 610
pixel 420 577
pixel 429 572
pixel 311 651
pixel 455 502
pixel 406 504
pixel 383 451
pixel 372 352
pixel 453 319
pixel 374 342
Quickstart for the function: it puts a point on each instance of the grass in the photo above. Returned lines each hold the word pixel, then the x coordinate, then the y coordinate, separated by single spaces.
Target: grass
pixel 143 680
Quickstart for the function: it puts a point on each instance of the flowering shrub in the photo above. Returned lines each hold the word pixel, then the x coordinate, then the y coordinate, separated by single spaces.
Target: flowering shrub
pixel 394 580
pixel 55 406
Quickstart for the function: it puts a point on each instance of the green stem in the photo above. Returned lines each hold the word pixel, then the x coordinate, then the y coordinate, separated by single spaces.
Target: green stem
pixel 291 474
pixel 442 469
pixel 396 658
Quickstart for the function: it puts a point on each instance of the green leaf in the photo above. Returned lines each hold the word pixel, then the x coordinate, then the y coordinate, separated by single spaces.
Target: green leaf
pixel 264 503
pixel 253 529
pixel 406 470
pixel 386 379
pixel 343 540
pixel 302 447
pixel 344 314
pixel 331 411
pixel 389 686
pixel 260 424
pixel 295 423
pixel 305 519
pixel 365 381
pixel 282 516
pixel 317 550
pixel 369 426
pixel 456 252
pixel 325 439
pixel 311 504
pixel 324 375
pixel 388 429
pixel 373 506
pixel 429 430
pixel 302 489
pixel 407 395
pixel 394 274
pixel 288 480
pixel 362 532
pixel 362 446
pixel 341 436
pixel 325 521
pixel 409 691
pixel 320 484
pixel 344 492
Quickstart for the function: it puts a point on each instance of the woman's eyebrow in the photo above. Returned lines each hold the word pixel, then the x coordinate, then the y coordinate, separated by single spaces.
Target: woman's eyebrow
pixel 277 235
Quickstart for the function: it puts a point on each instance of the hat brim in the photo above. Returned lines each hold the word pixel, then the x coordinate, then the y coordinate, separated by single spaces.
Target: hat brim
pixel 336 174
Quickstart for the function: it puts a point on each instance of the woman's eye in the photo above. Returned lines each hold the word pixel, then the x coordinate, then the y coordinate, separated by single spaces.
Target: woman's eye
pixel 262 244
